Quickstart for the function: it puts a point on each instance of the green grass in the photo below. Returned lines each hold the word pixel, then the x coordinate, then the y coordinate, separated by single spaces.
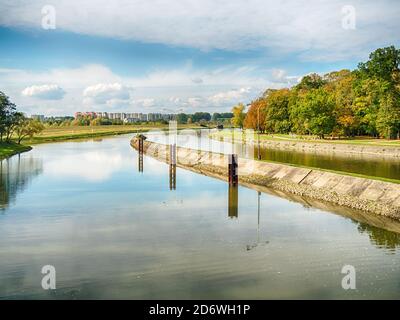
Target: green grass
pixel 8 149
pixel 58 134
pixel 83 132
pixel 312 139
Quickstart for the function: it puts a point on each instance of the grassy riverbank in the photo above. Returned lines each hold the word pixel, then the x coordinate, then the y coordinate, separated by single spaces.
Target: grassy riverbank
pixel 8 149
pixel 82 132
pixel 59 134
pixel 311 139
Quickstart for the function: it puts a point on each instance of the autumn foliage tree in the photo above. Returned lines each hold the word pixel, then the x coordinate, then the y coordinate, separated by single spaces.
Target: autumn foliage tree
pixel 238 115
pixel 365 101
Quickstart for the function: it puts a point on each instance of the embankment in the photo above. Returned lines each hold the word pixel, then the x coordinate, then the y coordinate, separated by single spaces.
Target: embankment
pixel 324 147
pixel 371 196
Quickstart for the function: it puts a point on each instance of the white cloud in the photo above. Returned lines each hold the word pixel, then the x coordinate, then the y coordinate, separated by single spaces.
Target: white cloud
pixel 281 77
pixel 232 96
pixel 93 166
pixel 106 93
pixel 96 88
pixel 310 27
pixel 144 103
pixel 46 92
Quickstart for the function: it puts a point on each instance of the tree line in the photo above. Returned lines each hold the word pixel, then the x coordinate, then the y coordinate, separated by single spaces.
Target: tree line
pixel 13 124
pixel 365 101
pixel 203 117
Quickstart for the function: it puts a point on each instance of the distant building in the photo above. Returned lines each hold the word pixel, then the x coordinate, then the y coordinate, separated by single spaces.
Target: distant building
pixel 125 117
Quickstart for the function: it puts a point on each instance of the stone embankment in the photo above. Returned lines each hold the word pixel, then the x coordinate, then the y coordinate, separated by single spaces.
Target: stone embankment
pixel 372 196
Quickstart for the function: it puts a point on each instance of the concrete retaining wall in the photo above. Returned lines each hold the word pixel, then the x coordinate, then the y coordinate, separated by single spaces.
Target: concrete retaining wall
pixel 382 198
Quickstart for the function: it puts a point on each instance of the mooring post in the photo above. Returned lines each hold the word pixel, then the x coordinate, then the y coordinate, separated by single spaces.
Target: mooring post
pixel 233 170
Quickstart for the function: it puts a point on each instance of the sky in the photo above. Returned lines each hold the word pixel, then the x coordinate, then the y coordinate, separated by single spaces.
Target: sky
pixel 62 56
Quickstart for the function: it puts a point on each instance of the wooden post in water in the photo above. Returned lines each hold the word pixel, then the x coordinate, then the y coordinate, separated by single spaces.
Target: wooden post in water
pixel 172 166
pixel 233 170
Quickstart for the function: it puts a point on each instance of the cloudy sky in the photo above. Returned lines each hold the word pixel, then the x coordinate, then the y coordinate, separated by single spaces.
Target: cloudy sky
pixel 174 56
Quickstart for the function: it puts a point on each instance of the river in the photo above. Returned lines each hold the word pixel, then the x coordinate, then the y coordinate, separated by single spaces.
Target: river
pixel 113 231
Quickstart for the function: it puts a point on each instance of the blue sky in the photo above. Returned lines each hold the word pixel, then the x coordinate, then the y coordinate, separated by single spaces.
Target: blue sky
pixel 173 56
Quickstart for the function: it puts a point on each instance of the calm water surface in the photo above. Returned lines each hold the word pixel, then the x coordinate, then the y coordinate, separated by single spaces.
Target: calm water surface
pixel 114 232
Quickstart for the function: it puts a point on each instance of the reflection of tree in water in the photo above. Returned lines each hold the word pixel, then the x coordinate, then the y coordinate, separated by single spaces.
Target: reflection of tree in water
pixel 380 237
pixel 15 173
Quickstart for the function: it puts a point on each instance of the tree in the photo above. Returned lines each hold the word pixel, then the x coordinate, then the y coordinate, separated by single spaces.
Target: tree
pixel 311 81
pixel 182 118
pixel 7 110
pixel 27 128
pixel 255 116
pixel 216 116
pixel 340 84
pixel 201 116
pixel 388 119
pixel 314 111
pixel 238 115
pixel 383 63
pixel 276 113
pixel 13 121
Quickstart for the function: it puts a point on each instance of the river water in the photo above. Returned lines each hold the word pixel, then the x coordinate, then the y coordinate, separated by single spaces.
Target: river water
pixel 112 231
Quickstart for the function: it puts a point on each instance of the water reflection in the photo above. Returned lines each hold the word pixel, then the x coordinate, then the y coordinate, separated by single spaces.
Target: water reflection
pixel 380 237
pixel 172 166
pixel 140 161
pixel 172 176
pixel 129 237
pixel 233 201
pixel 258 241
pixel 15 174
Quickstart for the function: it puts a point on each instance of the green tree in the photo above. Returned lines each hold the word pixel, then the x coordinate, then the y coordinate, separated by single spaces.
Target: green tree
pixel 388 119
pixel 7 111
pixel 182 118
pixel 201 116
pixel 238 115
pixel 27 128
pixel 276 112
pixel 383 63
pixel 315 112
pixel 311 81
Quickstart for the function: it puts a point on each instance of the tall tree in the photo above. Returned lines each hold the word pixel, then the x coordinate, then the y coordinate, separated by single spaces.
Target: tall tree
pixel 7 110
pixel 28 128
pixel 238 115
pixel 276 112
pixel 255 116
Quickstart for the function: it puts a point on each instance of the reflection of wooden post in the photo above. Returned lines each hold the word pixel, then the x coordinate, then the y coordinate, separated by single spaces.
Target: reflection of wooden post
pixel 233 201
pixel 172 167
pixel 141 139
pixel 140 162
pixel 233 170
